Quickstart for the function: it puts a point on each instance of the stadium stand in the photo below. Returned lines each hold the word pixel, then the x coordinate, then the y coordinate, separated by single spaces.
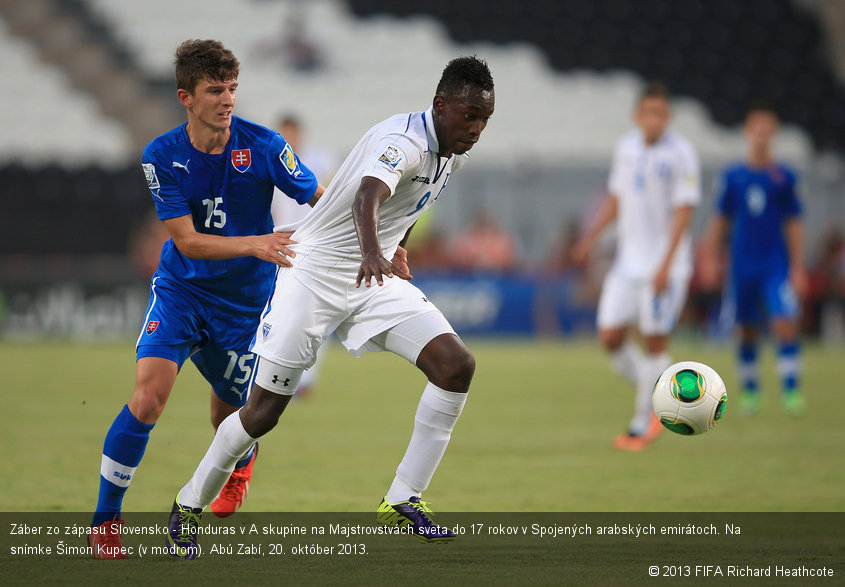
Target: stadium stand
pixel 722 52
pixel 367 57
pixel 46 119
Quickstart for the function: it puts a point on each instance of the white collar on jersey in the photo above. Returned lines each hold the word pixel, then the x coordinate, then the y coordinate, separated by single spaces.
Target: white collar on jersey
pixel 428 123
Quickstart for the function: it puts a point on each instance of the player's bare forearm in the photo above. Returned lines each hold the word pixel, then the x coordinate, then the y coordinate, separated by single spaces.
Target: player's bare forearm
pixel 794 230
pixel 317 195
pixel 681 220
pixel 365 213
pixel 607 213
pixel 714 236
pixel 271 247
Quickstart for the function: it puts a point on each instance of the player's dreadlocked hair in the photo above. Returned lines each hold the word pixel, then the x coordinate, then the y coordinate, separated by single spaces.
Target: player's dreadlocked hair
pixel 204 59
pixel 463 72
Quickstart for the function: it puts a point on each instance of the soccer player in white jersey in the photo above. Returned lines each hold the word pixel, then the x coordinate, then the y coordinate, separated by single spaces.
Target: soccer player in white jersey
pixel 343 281
pixel 654 186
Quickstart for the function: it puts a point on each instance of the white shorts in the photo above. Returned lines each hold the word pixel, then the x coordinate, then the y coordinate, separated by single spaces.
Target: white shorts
pixel 307 307
pixel 625 301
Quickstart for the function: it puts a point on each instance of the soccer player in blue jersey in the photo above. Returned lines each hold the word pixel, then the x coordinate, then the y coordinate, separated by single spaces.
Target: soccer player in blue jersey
pixel 757 200
pixel 212 182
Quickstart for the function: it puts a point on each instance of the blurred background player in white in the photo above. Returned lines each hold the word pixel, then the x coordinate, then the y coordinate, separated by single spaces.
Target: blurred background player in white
pixel 757 202
pixel 288 215
pixel 654 187
pixel 396 171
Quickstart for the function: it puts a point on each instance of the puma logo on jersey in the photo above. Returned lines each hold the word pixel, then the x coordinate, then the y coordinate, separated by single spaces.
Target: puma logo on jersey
pixel 421 179
pixel 183 166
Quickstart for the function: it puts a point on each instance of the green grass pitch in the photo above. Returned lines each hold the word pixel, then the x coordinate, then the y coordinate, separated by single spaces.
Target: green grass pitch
pixel 535 436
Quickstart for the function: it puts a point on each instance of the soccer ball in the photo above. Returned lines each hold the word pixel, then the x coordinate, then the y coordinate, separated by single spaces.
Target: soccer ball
pixel 689 398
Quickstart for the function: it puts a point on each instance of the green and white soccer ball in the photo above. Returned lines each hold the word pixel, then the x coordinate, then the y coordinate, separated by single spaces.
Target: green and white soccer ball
pixel 689 398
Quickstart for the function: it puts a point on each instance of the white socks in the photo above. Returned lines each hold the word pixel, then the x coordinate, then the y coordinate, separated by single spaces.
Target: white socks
pixel 651 366
pixel 626 361
pixel 436 416
pixel 230 443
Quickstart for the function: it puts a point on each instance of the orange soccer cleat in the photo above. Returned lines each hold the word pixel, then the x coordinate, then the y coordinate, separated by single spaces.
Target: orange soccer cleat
pixel 638 442
pixel 234 492
pixel 104 540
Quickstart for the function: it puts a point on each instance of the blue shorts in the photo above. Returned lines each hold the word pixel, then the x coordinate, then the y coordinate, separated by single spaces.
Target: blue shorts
pixel 771 292
pixel 179 324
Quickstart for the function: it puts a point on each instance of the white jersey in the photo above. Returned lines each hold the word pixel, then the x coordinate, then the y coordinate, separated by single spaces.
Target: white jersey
pixel 649 182
pixel 402 152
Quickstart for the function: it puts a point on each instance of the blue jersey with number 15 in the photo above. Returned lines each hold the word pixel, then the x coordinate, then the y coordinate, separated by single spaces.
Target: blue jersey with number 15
pixel 758 201
pixel 226 194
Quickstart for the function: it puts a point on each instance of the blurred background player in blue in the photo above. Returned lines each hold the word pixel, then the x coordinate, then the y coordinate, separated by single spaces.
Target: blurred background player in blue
pixel 212 182
pixel 758 202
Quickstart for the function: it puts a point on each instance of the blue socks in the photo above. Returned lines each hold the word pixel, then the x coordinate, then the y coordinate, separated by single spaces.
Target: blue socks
pixel 122 452
pixel 748 369
pixel 788 365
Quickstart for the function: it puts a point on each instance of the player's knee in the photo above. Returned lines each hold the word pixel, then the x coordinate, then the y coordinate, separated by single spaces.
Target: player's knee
pixel 147 403
pixel 611 340
pixel 454 372
pixel 784 330
pixel 262 411
pixel 257 425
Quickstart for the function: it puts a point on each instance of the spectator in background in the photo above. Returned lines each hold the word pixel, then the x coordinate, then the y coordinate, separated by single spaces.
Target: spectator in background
pixel 145 244
pixel 427 246
pixel 826 288
pixel 705 294
pixel 483 246
pixel 286 212
pixel 293 47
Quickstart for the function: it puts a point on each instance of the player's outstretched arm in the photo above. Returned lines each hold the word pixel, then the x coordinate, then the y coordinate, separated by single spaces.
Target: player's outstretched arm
pixel 606 214
pixel 317 195
pixel 681 220
pixel 365 212
pixel 713 245
pixel 794 231
pixel 195 245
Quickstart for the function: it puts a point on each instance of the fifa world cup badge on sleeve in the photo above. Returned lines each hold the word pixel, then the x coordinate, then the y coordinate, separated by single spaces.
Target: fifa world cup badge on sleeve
pixel 391 156
pixel 151 177
pixel 289 161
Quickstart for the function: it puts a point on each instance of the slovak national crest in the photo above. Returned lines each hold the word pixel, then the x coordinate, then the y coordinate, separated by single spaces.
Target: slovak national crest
pixel 241 159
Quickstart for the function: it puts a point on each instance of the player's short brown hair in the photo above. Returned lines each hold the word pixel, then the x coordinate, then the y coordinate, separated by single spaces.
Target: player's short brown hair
pixel 760 106
pixel 204 59
pixel 655 90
